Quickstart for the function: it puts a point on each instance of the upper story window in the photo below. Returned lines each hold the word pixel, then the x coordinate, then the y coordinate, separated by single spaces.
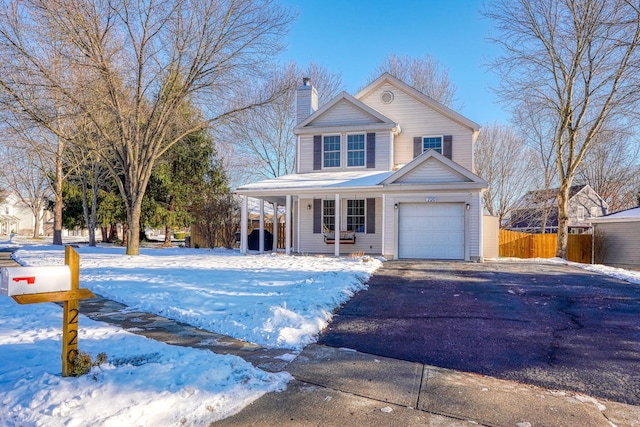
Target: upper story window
pixel 432 142
pixel 355 150
pixel 331 151
pixel 594 211
pixel 580 213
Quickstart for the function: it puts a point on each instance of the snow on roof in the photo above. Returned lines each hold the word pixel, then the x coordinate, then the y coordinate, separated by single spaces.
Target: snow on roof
pixel 632 214
pixel 319 180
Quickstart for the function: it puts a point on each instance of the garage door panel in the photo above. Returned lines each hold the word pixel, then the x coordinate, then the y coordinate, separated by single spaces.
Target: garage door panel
pixel 431 230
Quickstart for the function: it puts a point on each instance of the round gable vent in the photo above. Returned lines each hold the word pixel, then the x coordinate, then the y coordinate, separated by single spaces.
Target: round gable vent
pixel 387 97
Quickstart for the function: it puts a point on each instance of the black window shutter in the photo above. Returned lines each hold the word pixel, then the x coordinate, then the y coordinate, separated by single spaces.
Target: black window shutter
pixel 371 216
pixel 417 146
pixel 371 150
pixel 447 146
pixel 317 216
pixel 317 152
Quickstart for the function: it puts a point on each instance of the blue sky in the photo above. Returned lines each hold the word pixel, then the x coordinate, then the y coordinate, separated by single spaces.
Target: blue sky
pixel 352 37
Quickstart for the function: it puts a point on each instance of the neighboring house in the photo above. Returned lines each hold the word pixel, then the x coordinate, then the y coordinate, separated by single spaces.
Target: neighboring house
pixel 387 171
pixel 617 238
pixel 535 207
pixel 15 216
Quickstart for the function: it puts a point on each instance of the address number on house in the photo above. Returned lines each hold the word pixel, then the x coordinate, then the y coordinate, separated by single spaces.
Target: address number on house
pixel 432 199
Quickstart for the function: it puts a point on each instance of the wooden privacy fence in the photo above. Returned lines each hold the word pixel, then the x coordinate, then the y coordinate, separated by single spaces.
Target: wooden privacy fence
pixel 523 245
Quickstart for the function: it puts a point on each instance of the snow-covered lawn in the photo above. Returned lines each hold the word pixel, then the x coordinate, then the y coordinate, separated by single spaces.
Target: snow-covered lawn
pixel 272 300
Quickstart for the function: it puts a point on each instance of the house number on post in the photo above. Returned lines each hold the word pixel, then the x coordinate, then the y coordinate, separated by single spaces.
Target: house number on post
pixel 55 291
pixel 432 199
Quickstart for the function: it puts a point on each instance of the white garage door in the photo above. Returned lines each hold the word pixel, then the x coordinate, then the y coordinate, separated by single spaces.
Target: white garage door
pixel 431 230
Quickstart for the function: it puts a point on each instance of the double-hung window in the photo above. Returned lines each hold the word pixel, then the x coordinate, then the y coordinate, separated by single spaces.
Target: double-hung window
pixel 329 214
pixel 432 143
pixel 355 150
pixel 331 150
pixel 355 215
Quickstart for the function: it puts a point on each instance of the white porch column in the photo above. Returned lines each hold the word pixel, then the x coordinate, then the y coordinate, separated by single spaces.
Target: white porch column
pixel 261 234
pixel 275 227
pixel 337 227
pixel 287 233
pixel 243 224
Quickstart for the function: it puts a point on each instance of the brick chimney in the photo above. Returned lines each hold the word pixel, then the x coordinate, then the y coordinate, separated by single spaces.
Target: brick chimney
pixel 306 100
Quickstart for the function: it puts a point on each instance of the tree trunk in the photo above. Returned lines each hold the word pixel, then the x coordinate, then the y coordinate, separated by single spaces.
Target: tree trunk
pixel 167 228
pixel 105 236
pixel 93 221
pixel 57 210
pixel 113 233
pixel 131 232
pixel 36 225
pixel 85 208
pixel 545 219
pixel 125 238
pixel 167 237
pixel 563 219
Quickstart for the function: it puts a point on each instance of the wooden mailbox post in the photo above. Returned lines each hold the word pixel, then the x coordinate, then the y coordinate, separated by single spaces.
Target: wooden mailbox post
pixel 70 300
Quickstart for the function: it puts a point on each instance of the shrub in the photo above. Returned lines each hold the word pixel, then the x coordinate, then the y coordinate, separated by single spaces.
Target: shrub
pixel 82 363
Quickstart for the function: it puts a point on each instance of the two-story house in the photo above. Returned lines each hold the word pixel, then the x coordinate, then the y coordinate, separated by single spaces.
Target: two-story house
pixel 540 207
pixel 387 171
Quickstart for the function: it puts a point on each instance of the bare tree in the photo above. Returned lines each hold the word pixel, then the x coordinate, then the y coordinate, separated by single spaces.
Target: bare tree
pixel 128 66
pixel 260 143
pixel 504 160
pixel 26 173
pixel 425 74
pixel 534 126
pixel 218 219
pixel 575 63
pixel 88 169
pixel 612 168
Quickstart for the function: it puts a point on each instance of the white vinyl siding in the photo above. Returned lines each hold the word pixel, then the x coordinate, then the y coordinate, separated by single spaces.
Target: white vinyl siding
pixel 432 171
pixel 621 244
pixel 344 113
pixel 417 119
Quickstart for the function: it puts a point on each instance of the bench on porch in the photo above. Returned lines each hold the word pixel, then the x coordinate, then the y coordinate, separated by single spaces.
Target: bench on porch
pixel 346 237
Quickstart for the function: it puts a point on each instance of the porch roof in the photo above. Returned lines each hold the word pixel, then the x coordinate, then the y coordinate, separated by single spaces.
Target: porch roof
pixel 317 180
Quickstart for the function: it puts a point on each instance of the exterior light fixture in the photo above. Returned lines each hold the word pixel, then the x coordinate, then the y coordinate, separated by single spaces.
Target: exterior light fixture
pixel 468 206
pixel 308 207
pixel 395 206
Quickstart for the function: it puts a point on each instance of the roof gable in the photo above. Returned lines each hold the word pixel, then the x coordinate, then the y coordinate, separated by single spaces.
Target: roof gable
pixel 542 198
pixel 432 167
pixel 421 97
pixel 341 112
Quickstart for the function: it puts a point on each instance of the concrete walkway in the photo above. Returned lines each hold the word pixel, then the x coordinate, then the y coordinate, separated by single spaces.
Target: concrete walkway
pixel 340 387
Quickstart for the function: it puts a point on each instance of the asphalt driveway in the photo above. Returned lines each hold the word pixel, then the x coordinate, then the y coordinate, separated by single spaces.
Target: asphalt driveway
pixel 544 324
